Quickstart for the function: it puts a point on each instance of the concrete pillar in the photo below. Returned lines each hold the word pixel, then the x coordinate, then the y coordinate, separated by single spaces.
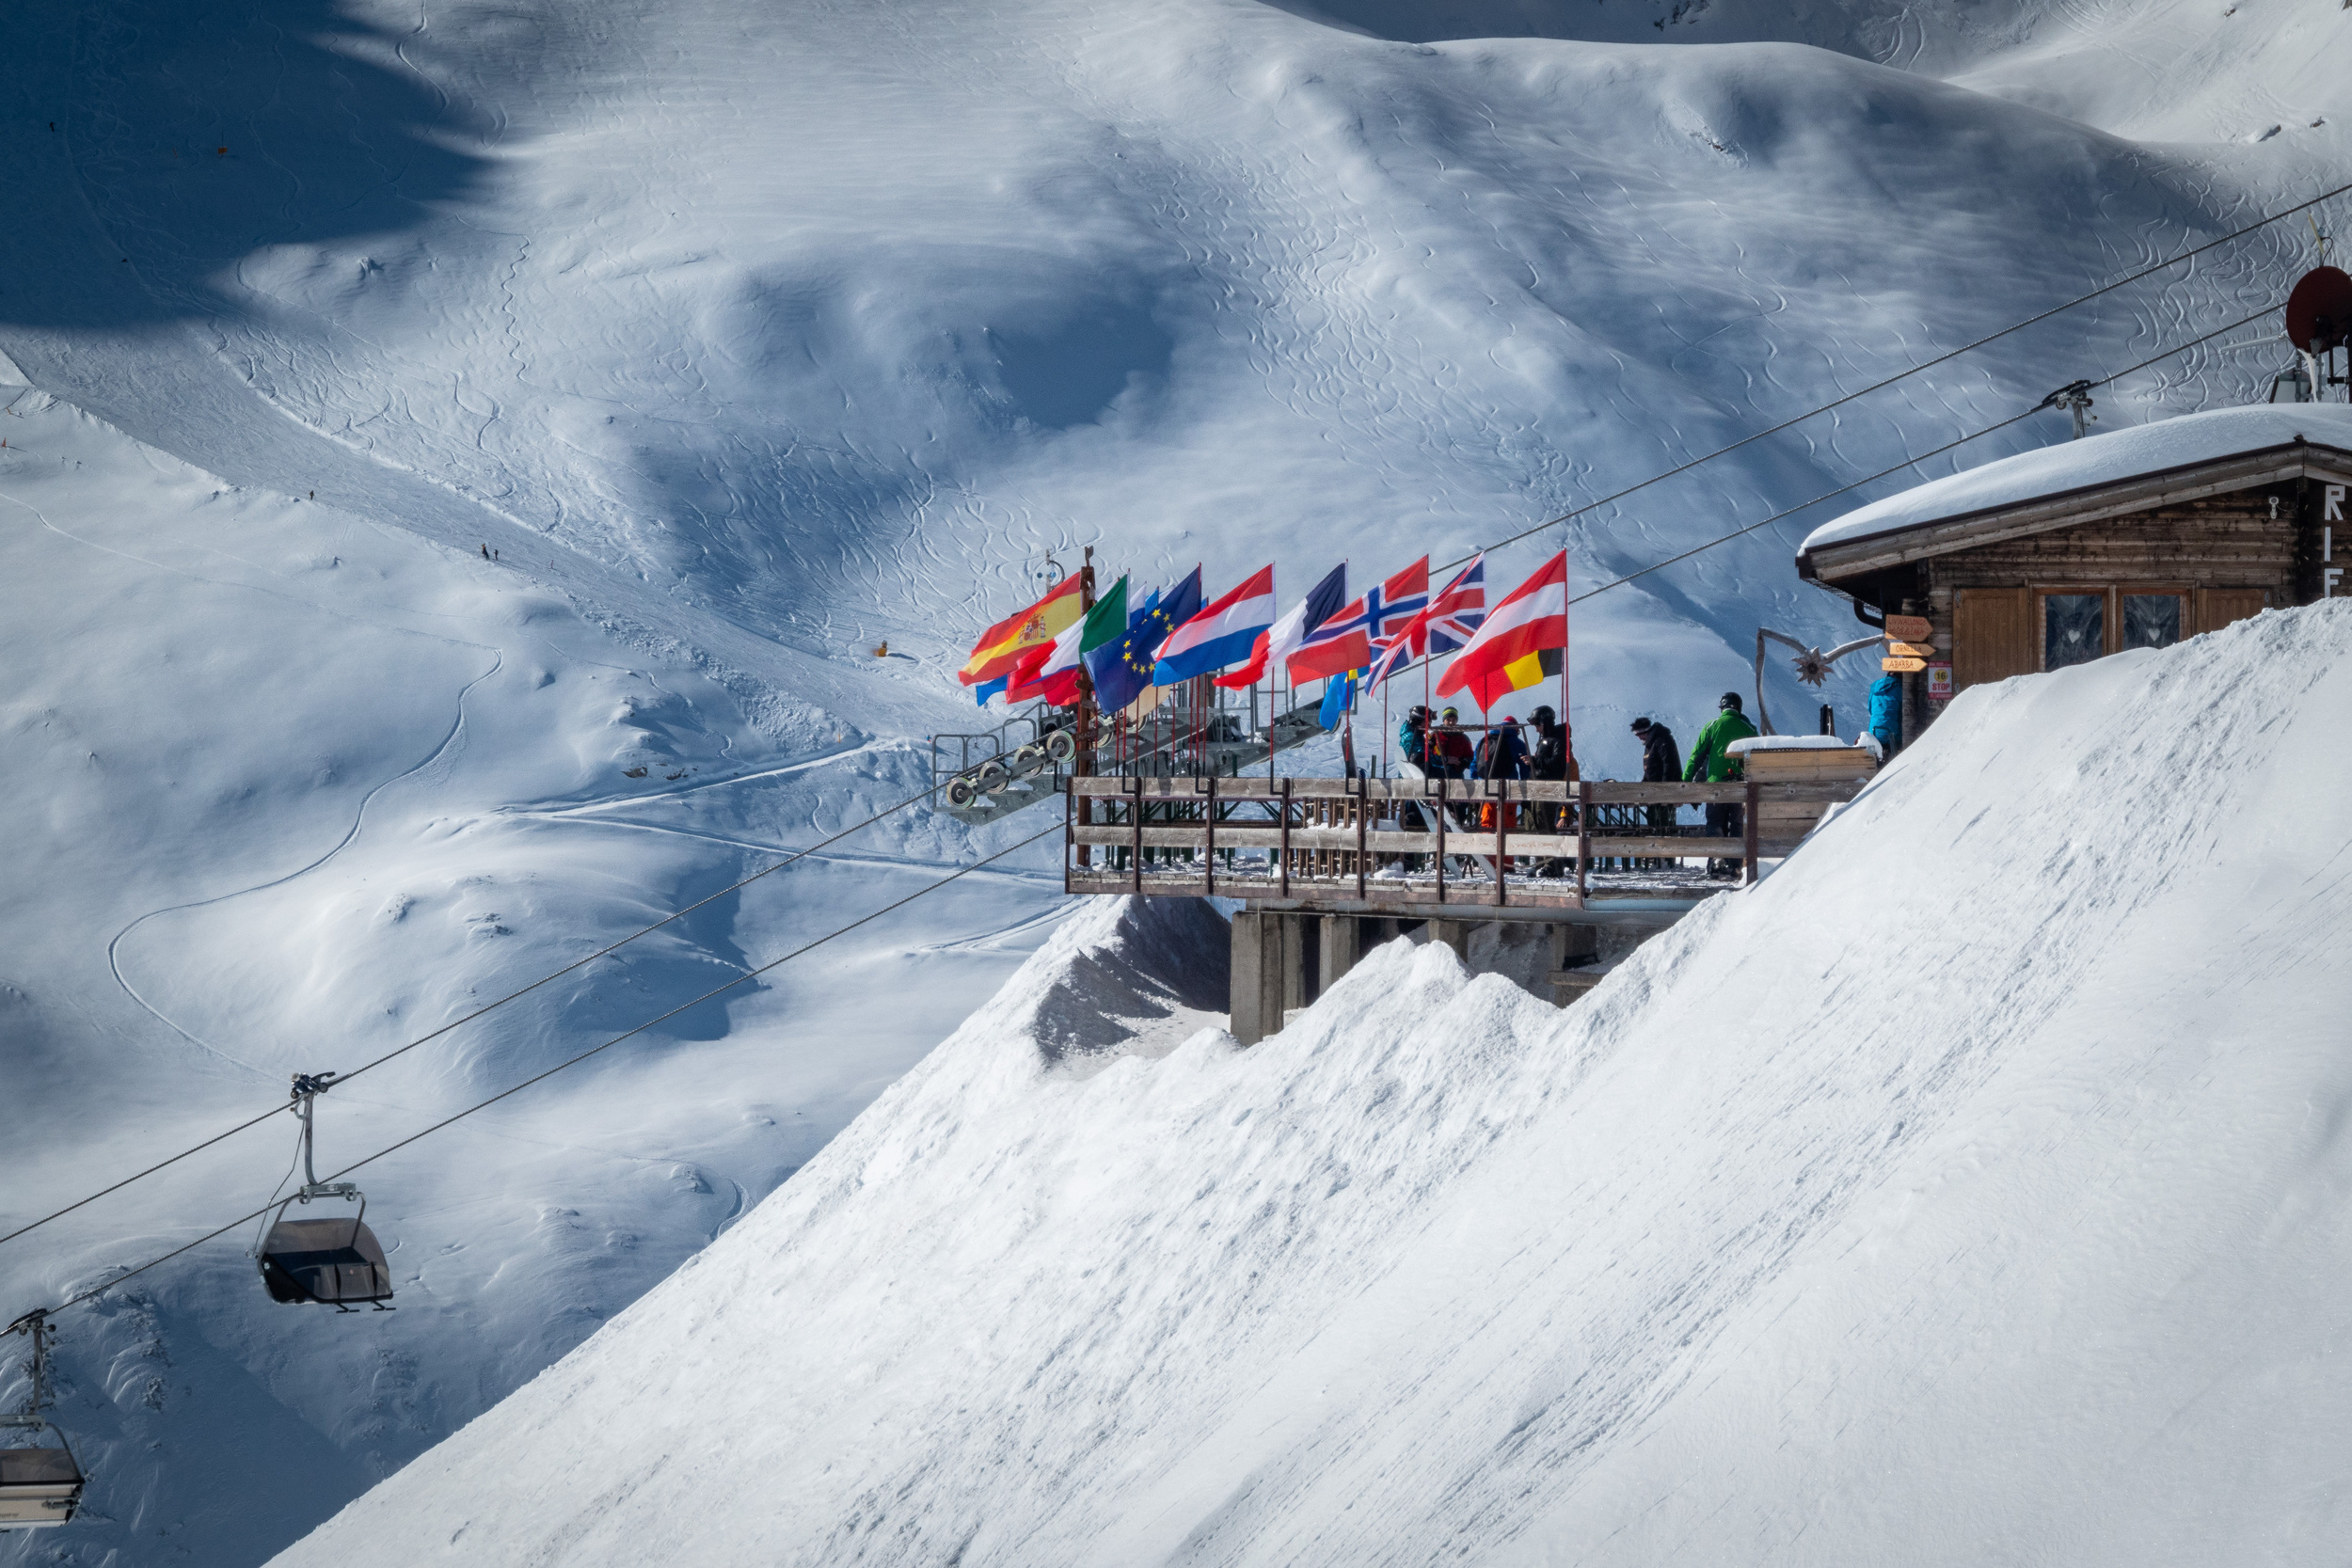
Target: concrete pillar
pixel 1299 955
pixel 1455 934
pixel 1257 977
pixel 1572 945
pixel 1575 961
pixel 1341 944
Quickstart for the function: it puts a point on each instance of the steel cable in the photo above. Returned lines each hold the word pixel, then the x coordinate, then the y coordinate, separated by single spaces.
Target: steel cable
pixel 1538 528
pixel 478 1013
pixel 100 1289
pixel 1927 365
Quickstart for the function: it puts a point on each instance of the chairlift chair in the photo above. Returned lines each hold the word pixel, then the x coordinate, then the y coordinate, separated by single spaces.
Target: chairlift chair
pixel 335 1263
pixel 40 1482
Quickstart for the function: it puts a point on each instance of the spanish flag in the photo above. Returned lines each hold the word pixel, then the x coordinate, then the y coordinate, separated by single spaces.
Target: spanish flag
pixel 1001 646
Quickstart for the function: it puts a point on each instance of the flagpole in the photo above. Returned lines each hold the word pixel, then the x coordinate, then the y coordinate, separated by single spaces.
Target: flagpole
pixel 1082 762
pixel 1568 729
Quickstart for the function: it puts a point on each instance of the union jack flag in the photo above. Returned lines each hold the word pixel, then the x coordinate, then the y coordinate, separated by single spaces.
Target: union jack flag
pixel 1446 625
pixel 1460 610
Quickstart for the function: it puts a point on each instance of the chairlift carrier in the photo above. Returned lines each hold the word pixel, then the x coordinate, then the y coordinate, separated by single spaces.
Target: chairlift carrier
pixel 40 1482
pixel 332 1261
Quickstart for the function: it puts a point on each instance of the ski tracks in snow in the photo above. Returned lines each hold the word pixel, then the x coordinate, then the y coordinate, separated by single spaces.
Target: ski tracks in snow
pixel 441 749
pixel 456 733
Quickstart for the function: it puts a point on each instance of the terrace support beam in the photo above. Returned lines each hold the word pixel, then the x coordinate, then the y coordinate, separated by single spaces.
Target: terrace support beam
pixel 1256 996
pixel 1298 962
pixel 1339 944
pixel 1572 945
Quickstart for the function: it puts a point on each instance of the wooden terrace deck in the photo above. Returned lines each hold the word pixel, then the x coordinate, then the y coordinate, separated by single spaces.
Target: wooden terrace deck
pixel 1338 845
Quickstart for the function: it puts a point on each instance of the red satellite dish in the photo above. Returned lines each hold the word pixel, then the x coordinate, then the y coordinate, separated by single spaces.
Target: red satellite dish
pixel 2319 311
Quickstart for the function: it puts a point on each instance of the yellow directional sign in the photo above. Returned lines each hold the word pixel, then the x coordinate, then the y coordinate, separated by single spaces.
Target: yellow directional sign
pixel 1911 628
pixel 1902 666
pixel 1910 650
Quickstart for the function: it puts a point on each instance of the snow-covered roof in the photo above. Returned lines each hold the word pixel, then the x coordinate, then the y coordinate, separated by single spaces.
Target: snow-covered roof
pixel 2114 457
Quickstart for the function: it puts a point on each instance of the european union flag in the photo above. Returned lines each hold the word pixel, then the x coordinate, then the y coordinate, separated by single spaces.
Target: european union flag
pixel 1122 669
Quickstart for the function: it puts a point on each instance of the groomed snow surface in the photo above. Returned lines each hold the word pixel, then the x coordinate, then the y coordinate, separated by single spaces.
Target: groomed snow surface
pixel 1974 1190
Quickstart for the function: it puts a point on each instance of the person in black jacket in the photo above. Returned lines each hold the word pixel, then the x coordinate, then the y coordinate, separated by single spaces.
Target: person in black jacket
pixel 1547 759
pixel 1661 763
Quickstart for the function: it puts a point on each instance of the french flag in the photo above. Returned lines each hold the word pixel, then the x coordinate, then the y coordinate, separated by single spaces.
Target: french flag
pixel 1223 633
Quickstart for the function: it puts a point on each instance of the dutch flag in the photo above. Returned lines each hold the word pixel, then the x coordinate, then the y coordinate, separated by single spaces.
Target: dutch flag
pixel 1223 633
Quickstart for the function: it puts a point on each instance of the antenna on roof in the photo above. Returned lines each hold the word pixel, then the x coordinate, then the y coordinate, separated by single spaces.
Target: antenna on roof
pixel 2319 322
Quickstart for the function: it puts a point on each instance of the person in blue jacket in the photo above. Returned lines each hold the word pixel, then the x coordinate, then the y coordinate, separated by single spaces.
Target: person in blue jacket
pixel 1412 737
pixel 1886 713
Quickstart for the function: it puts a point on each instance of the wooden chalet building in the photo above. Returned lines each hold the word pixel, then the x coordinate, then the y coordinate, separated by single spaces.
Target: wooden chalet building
pixel 2133 539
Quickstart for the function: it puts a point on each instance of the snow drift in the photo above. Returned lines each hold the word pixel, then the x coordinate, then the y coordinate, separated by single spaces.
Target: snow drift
pixel 1972 1190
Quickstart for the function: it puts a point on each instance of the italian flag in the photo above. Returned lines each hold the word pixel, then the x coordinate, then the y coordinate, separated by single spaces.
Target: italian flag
pixel 1524 639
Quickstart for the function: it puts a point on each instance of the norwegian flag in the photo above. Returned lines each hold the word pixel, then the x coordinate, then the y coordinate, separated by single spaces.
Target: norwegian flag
pixel 1449 622
pixel 1345 641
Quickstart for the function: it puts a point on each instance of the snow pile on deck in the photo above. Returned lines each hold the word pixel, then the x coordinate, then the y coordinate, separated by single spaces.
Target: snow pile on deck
pixel 1974 1190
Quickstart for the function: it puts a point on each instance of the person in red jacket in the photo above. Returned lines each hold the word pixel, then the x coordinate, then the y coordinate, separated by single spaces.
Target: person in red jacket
pixel 1450 749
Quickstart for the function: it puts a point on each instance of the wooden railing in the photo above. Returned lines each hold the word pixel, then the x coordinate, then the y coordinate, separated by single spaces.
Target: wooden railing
pixel 1504 843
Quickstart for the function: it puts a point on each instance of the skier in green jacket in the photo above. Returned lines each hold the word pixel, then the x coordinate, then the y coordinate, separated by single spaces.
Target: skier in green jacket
pixel 1712 761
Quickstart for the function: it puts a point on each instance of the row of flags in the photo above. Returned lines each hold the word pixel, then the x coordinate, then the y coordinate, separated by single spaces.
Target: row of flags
pixel 1037 654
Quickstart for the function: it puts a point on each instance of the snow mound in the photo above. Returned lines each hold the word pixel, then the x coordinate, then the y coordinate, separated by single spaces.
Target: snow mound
pixel 2015 1229
pixel 2095 460
pixel 1789 743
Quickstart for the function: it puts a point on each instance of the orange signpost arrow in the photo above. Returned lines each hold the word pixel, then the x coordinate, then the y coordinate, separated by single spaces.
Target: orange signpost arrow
pixel 1911 650
pixel 1909 628
pixel 1902 666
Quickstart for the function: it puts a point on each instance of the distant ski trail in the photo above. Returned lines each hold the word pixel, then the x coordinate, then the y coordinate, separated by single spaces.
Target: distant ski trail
pixel 456 730
pixel 359 816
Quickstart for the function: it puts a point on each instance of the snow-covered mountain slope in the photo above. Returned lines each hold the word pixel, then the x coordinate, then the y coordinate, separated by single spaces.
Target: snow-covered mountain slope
pixel 751 336
pixel 1972 1189
pixel 820 319
pixel 292 788
pixel 2166 70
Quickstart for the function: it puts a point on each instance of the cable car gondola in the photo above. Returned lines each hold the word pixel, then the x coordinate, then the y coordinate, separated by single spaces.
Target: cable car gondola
pixel 335 1263
pixel 41 1484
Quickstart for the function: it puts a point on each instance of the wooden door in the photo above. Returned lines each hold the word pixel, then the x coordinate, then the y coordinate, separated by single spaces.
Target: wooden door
pixel 2218 607
pixel 1992 635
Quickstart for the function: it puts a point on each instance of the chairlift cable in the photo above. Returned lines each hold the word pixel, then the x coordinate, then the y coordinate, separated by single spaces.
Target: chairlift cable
pixel 1871 478
pixel 148 1171
pixel 1565 516
pixel 1937 451
pixel 100 1289
pixel 486 1007
pixel 1927 365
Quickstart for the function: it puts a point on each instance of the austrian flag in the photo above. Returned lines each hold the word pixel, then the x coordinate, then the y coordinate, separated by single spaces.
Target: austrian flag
pixel 1524 639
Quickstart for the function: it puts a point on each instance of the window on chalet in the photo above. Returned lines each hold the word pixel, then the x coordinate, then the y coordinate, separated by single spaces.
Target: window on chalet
pixel 2073 628
pixel 2151 620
